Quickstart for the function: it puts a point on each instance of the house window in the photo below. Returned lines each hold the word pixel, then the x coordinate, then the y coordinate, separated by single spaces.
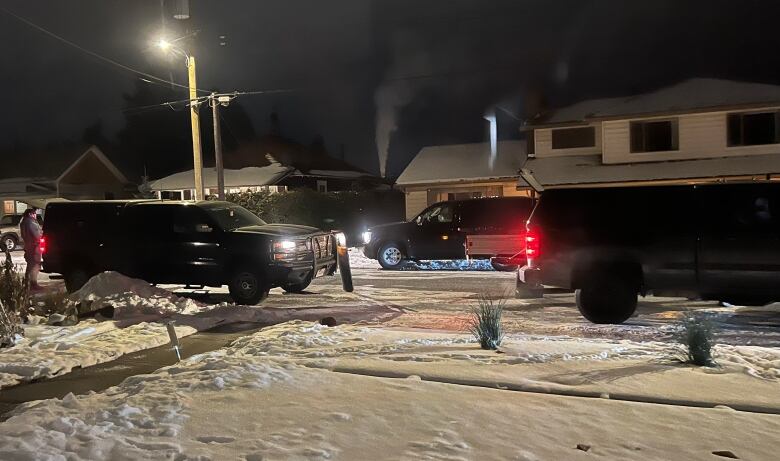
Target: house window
pixel 573 138
pixel 322 186
pixel 654 136
pixel 753 129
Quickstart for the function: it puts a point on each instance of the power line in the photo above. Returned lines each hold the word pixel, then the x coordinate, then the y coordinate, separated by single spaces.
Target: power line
pixel 158 80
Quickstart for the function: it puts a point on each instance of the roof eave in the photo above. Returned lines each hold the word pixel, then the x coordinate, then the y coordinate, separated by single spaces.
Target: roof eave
pixel 698 110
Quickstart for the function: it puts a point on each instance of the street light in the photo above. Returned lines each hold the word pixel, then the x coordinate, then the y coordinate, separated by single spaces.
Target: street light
pixel 197 155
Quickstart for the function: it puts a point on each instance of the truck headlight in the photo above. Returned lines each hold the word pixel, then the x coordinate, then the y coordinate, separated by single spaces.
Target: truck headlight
pixel 341 239
pixel 284 246
pixel 367 237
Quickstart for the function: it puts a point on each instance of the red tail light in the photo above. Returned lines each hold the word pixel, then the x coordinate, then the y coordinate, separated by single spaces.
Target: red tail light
pixel 42 245
pixel 533 245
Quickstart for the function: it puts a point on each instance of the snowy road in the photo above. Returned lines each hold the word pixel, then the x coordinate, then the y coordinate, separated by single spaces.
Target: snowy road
pixel 443 300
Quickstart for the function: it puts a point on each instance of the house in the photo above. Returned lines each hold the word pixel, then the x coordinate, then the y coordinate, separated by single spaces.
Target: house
pixel 699 130
pixel 271 164
pixel 462 171
pixel 71 173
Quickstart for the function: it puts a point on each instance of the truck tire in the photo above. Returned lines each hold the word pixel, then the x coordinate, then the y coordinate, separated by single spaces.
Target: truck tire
pixel 9 242
pixel 607 300
pixel 390 256
pixel 247 287
pixel 297 287
pixel 502 267
pixel 76 277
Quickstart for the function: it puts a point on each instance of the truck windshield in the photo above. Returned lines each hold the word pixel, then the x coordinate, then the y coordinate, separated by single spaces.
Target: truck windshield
pixel 233 217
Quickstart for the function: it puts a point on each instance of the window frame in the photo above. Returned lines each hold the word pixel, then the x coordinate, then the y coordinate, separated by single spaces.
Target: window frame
pixel 674 130
pixel 742 116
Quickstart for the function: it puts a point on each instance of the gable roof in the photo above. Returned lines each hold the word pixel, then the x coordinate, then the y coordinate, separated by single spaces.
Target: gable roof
pixel 464 162
pixel 697 94
pixel 52 165
pixel 97 153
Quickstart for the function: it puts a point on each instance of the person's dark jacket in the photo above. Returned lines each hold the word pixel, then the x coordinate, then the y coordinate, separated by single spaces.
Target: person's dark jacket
pixel 30 231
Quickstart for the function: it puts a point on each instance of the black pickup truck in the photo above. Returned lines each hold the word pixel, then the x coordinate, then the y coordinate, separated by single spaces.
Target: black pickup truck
pixel 194 243
pixel 440 231
pixel 715 242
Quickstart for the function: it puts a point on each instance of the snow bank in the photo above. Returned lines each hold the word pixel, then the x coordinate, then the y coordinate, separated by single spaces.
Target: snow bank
pixel 131 297
pixel 357 260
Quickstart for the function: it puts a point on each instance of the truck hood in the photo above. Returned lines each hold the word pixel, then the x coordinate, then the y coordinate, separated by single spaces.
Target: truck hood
pixel 281 230
pixel 389 227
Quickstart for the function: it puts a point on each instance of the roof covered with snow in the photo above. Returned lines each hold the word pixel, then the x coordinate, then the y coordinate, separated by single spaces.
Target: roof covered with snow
pixel 464 162
pixel 588 169
pixel 689 95
pixel 244 177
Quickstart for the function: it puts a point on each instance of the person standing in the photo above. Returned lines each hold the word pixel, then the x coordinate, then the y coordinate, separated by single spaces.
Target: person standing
pixel 31 235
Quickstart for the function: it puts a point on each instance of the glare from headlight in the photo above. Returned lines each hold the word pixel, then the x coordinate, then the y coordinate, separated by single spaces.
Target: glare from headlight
pixel 284 245
pixel 367 237
pixel 341 239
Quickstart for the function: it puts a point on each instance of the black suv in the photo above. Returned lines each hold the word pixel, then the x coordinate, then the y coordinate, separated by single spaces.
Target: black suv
pixel 716 242
pixel 440 231
pixel 193 243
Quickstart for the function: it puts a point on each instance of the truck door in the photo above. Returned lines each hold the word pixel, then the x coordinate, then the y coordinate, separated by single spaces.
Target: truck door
pixel 148 242
pixel 436 235
pixel 739 246
pixel 197 256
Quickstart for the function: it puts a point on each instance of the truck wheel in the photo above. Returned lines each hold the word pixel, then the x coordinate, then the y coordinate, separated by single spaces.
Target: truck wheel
pixel 247 288
pixel 297 287
pixel 501 267
pixel 390 256
pixel 75 278
pixel 9 242
pixel 607 301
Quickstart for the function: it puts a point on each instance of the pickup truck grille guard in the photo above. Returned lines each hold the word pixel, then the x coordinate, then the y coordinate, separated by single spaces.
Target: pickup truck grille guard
pixel 323 247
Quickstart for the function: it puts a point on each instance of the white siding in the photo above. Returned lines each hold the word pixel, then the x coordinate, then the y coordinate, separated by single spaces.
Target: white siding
pixel 416 201
pixel 700 136
pixel 543 144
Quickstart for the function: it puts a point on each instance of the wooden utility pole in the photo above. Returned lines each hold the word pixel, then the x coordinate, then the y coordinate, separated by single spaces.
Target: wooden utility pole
pixel 218 147
pixel 196 148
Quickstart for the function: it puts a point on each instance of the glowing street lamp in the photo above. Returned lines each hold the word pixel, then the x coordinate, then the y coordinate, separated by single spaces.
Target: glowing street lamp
pixel 166 46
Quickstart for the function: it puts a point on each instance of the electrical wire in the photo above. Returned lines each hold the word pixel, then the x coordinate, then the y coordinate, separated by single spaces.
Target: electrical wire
pixel 157 80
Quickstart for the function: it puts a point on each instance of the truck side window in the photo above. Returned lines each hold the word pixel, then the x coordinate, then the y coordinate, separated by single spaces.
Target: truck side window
pixel 439 214
pixel 190 220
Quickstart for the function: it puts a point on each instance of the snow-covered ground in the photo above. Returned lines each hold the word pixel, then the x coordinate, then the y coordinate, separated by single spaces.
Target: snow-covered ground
pixel 141 313
pixel 303 391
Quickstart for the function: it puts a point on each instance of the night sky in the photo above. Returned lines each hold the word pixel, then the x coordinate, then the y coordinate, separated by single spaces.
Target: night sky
pixel 366 75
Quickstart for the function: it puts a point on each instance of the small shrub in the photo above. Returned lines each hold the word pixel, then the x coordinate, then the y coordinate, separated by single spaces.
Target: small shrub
pixel 486 323
pixel 698 338
pixel 13 293
pixel 14 289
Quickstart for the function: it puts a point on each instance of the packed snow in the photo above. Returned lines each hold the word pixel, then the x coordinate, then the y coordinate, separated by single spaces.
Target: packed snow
pixel 283 393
